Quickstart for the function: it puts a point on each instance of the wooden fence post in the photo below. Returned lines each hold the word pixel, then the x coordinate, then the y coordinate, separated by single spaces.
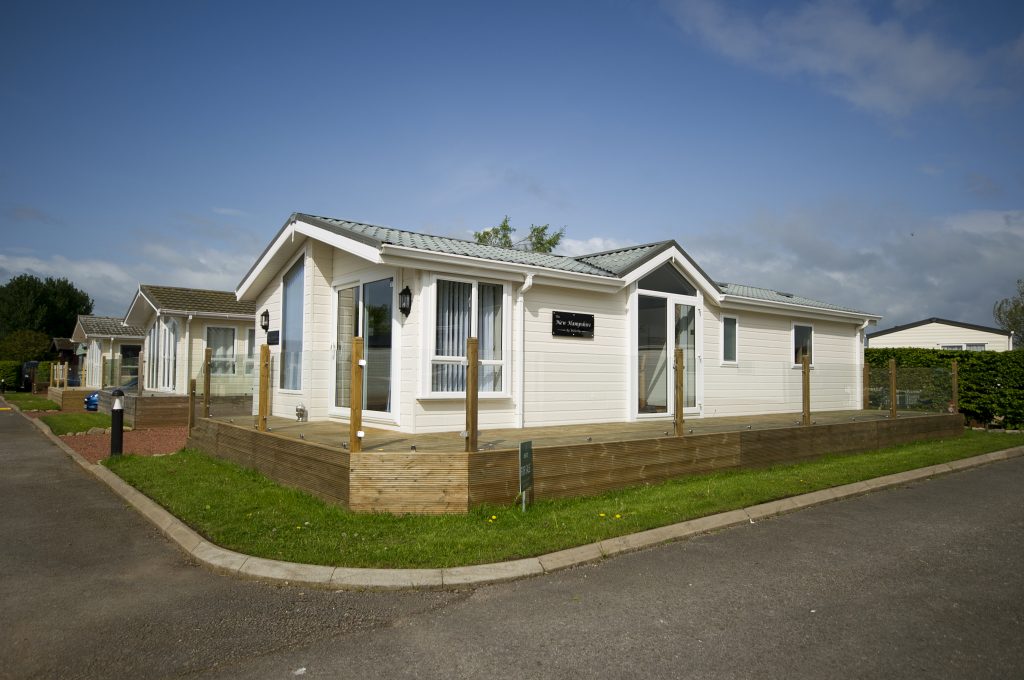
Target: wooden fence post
pixel 103 372
pixel 892 388
pixel 191 404
pixel 956 387
pixel 355 420
pixel 141 373
pixel 472 392
pixel 867 386
pixel 264 396
pixel 207 362
pixel 680 391
pixel 806 385
pixel 53 372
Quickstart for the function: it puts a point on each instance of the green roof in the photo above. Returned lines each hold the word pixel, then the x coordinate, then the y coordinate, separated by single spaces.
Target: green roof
pixel 376 236
pixel 769 295
pixel 169 298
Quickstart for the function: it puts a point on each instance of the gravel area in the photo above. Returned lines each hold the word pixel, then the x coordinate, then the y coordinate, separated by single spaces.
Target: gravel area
pixel 153 442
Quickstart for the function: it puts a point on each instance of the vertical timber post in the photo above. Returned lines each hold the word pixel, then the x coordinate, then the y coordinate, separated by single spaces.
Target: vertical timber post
pixel 472 392
pixel 264 396
pixel 355 420
pixel 207 362
pixel 191 404
pixel 867 386
pixel 141 372
pixel 806 380
pixel 956 387
pixel 892 388
pixel 680 391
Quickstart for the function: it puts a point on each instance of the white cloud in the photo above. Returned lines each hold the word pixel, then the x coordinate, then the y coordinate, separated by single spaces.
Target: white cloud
pixel 878 65
pixel 596 244
pixel 910 268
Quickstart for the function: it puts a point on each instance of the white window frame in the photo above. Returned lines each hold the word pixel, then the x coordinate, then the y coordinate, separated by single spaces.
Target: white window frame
pixel 430 333
pixel 975 346
pixel 250 352
pixel 792 342
pixel 736 342
pixel 952 347
pixel 281 352
pixel 358 279
pixel 234 347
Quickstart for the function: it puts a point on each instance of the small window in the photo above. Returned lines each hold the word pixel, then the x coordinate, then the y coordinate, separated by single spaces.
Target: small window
pixel 803 343
pixel 222 342
pixel 975 347
pixel 953 347
pixel 729 339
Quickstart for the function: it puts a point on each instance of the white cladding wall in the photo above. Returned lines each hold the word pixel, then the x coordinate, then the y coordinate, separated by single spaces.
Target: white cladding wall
pixel 316 329
pixel 764 378
pixel 575 380
pixel 937 335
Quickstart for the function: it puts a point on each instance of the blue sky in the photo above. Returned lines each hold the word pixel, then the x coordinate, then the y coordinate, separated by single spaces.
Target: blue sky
pixel 869 154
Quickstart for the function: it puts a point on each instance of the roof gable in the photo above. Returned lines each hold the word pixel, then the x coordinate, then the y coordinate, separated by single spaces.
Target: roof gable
pixel 89 326
pixel 173 299
pixel 944 322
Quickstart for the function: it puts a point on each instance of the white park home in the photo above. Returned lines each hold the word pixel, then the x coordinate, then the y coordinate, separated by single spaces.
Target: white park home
pixel 108 345
pixel 178 324
pixel 563 340
pixel 935 333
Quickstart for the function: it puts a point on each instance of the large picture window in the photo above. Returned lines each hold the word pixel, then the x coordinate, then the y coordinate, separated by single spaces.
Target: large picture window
pixel 464 309
pixel 291 327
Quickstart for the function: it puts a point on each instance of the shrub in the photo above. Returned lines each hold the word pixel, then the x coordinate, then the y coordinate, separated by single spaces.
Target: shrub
pixel 9 372
pixel 991 384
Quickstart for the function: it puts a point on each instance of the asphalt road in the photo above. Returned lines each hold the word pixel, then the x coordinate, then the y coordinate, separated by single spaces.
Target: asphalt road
pixel 919 582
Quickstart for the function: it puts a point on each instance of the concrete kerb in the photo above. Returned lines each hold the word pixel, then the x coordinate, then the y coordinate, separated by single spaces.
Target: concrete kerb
pixel 347 578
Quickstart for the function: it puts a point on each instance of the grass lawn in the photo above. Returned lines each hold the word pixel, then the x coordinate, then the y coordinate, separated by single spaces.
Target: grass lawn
pixel 241 510
pixel 64 423
pixel 30 402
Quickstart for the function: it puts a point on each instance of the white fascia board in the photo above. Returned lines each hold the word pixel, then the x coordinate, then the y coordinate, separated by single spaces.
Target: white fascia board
pixel 249 286
pixel 209 315
pixel 131 310
pixel 361 250
pixel 709 288
pixel 401 256
pixel 733 302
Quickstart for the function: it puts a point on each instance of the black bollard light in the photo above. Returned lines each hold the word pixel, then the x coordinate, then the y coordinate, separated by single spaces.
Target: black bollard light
pixel 117 423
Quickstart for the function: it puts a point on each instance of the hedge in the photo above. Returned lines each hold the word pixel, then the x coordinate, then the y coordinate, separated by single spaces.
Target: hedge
pixel 991 383
pixel 9 372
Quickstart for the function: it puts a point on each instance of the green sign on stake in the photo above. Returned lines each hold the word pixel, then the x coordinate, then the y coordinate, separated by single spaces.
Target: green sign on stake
pixel 525 470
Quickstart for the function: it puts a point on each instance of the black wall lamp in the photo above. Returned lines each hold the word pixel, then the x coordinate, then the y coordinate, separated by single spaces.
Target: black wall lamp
pixel 405 301
pixel 265 320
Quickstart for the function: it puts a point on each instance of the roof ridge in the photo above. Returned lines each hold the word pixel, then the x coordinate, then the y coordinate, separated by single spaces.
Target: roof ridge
pixel 625 248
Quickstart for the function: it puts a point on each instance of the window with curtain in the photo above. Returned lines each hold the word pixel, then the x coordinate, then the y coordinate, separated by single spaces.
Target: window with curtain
pixel 456 318
pixel 222 343
pixel 291 326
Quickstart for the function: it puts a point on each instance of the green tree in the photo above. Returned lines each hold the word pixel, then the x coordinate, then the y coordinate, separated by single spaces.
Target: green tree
pixel 25 345
pixel 49 306
pixel 1009 314
pixel 539 240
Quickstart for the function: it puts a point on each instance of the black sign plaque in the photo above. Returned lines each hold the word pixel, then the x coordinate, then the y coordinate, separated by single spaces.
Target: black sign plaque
pixel 571 324
pixel 273 337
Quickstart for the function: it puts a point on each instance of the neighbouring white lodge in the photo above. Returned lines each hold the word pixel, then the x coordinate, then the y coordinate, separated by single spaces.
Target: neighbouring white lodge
pixel 563 340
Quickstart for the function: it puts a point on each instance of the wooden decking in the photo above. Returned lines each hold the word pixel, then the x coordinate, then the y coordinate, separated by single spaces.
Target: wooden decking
pixel 334 433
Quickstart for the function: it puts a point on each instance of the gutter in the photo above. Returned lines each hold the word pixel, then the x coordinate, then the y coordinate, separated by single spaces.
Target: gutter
pixel 521 352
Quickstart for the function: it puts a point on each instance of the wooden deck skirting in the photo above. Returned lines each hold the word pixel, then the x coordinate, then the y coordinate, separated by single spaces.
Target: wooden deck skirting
pixel 68 397
pixel 433 483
